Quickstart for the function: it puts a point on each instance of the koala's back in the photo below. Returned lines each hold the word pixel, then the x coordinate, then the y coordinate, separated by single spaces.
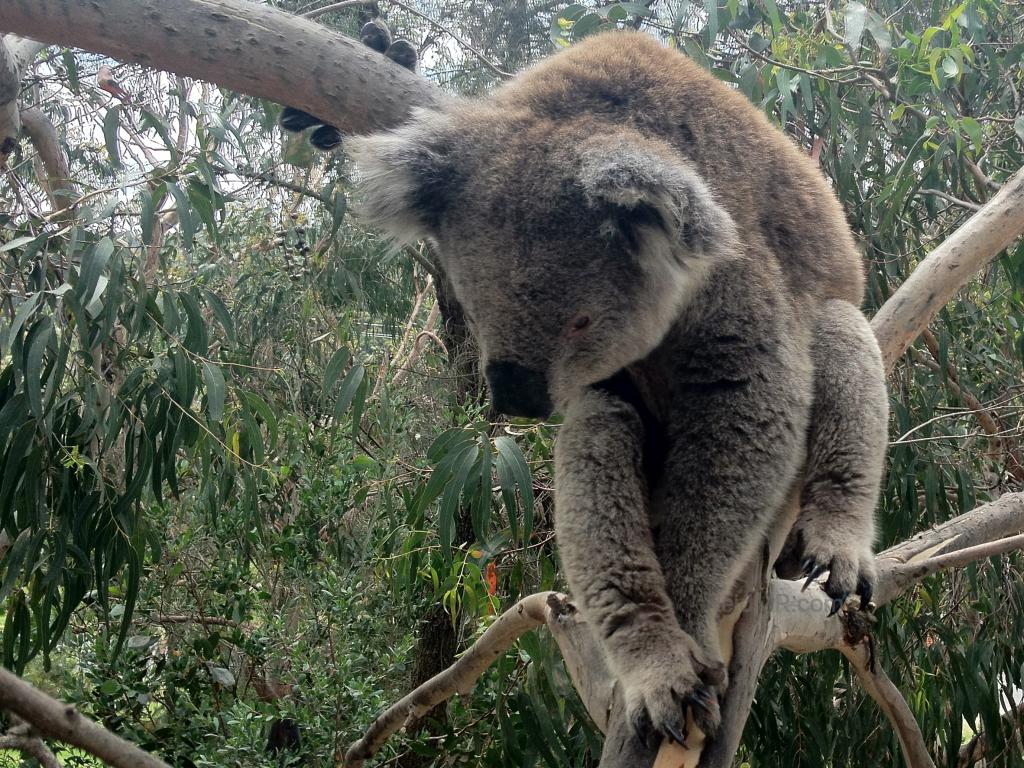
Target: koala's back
pixel 773 190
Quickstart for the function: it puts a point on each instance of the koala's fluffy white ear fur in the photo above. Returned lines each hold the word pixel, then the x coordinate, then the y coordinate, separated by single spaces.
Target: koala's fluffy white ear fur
pixel 404 176
pixel 654 178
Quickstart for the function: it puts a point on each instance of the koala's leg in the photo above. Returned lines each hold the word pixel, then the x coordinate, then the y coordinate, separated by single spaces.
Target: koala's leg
pixel 604 535
pixel 845 458
pixel 737 444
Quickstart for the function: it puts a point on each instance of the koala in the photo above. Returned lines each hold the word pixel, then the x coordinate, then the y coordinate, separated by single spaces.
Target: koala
pixel 636 247
pixel 377 36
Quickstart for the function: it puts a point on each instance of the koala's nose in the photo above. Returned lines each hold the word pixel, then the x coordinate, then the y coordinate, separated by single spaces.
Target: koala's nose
pixel 517 390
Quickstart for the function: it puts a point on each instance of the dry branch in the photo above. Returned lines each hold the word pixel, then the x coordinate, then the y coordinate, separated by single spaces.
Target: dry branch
pixel 245 46
pixel 891 702
pixel 527 614
pixel 56 720
pixel 949 268
pixel 52 168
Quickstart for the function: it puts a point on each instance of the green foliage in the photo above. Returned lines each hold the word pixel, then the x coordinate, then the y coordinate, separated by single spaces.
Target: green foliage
pixel 220 506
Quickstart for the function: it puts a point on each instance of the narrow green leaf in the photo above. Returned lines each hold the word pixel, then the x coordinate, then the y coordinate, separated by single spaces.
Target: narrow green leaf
pixel 507 483
pixel 338 211
pixel 215 390
pixel 876 27
pixel 35 345
pixel 94 263
pixel 259 405
pixel 358 404
pixel 348 391
pixel 334 367
pixel 24 310
pixel 711 6
pixel 197 339
pixel 71 69
pixel 17 243
pixel 856 17
pixel 453 490
pixel 220 311
pixel 147 213
pixel 185 221
pixel 773 14
pixel 111 125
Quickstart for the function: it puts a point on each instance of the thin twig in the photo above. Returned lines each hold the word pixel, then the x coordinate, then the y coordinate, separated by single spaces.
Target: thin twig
pixel 954 200
pixel 317 12
pixel 465 44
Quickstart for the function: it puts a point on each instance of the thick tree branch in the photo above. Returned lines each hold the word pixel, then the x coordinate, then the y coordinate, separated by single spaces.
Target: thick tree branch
pixel 15 54
pixel 247 47
pixel 948 268
pixel 32 746
pixel 52 171
pixel 991 522
pixel 56 720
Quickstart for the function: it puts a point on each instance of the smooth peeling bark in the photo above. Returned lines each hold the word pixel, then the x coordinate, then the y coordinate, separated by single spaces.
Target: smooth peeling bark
pixel 244 46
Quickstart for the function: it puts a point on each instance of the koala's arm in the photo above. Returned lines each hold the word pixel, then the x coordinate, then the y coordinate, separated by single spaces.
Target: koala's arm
pixel 845 458
pixel 604 533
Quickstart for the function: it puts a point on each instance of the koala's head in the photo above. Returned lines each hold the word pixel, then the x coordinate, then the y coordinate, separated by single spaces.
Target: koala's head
pixel 572 247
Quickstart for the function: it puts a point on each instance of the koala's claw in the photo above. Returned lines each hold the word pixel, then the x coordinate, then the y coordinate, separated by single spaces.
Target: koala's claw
pixel 705 708
pixel 658 696
pixel 812 571
pixel 811 551
pixel 865 590
pixel 703 705
pixel 679 737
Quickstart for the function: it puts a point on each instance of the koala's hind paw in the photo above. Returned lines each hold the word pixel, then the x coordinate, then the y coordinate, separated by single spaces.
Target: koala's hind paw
pixel 850 567
pixel 659 695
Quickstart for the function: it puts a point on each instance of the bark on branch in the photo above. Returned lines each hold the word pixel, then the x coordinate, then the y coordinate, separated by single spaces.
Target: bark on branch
pixel 793 619
pixel 248 47
pixel 52 169
pixel 15 55
pixel 949 268
pixel 56 720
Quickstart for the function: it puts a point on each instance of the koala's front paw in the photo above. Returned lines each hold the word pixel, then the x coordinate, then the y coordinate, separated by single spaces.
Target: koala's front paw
pixel 658 693
pixel 850 565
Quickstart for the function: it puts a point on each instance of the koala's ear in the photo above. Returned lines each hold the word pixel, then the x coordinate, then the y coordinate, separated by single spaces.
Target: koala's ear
pixel 407 177
pixel 651 190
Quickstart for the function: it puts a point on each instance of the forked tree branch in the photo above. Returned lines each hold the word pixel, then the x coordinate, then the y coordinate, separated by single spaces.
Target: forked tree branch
pixel 795 619
pixel 529 613
pixel 56 720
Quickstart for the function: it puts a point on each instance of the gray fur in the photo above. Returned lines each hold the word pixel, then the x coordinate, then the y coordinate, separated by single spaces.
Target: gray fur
pixel 680 279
